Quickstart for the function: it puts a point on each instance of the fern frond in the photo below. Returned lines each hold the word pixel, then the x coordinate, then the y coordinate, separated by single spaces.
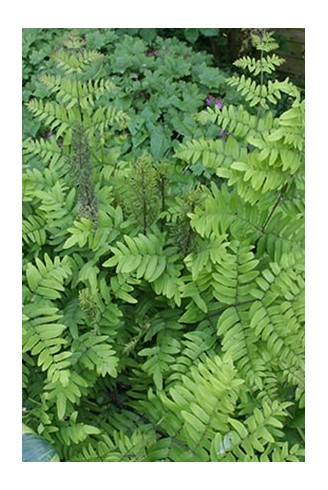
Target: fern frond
pixel 159 358
pixel 72 92
pixel 254 436
pixel 266 64
pixel 212 154
pixel 238 121
pixel 66 393
pixel 199 406
pixel 48 150
pixel 76 62
pixel 260 94
pixel 263 40
pixel 120 447
pixel 196 345
pixel 55 116
pixel 208 252
pixel 33 229
pixel 47 279
pixel 76 432
pixel 82 232
pixel 144 257
pixel 277 316
pixel 42 336
pixel 93 352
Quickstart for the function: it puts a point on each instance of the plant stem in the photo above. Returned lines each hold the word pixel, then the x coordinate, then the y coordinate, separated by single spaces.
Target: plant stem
pixel 274 208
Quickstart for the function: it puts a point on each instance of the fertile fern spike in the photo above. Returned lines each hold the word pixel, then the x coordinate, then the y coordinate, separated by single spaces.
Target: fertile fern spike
pixel 76 122
pixel 87 200
pixel 143 202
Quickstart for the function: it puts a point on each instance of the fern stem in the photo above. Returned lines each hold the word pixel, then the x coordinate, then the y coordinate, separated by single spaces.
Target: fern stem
pixel 261 85
pixel 219 311
pixel 274 208
pixel 301 433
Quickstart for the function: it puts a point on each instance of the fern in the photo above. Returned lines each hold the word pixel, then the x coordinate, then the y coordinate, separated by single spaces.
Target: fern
pixel 145 258
pixel 42 337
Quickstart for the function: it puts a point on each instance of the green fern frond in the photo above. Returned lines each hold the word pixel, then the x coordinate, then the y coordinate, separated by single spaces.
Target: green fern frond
pixel 200 404
pixel 208 252
pixel 212 154
pixel 94 353
pixel 260 94
pixel 255 436
pixel 144 257
pixel 47 279
pixel 43 337
pixel 238 121
pixel 76 433
pixel 72 92
pixel 159 358
pixel 120 448
pixel 65 393
pixel 195 346
pixel 33 229
pixel 267 64
pixel 263 40
pixel 76 62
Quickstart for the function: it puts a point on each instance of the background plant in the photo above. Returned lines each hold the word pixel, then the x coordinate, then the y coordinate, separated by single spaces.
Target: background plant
pixel 163 256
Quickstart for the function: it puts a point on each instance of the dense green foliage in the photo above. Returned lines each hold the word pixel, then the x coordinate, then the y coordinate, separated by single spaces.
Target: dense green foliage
pixel 163 240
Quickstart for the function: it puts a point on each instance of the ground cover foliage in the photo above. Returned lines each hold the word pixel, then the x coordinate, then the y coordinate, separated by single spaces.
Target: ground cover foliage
pixel 163 250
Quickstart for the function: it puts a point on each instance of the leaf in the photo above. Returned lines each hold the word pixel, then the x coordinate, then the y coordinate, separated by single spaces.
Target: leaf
pixel 36 449
pixel 209 32
pixel 130 264
pixel 200 302
pixel 33 277
pixel 242 166
pixel 148 34
pixel 61 405
pixel 239 427
pixel 151 268
pixel 72 240
pixel 159 142
pixel 191 35
pixel 193 421
pixel 158 378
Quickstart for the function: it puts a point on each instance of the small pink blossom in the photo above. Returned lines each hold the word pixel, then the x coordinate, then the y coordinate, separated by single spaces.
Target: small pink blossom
pixel 211 100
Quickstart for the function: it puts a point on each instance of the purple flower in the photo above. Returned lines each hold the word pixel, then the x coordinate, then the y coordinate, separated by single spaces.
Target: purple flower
pixel 224 134
pixel 213 100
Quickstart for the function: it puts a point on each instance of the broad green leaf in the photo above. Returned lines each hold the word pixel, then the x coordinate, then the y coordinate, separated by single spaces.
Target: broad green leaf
pixel 61 405
pixel 33 277
pixel 209 32
pixel 158 378
pixel 191 34
pixel 159 142
pixel 150 272
pixel 193 421
pixel 148 34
